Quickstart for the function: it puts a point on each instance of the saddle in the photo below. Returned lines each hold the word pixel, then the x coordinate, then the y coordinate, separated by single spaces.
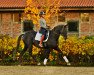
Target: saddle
pixel 39 35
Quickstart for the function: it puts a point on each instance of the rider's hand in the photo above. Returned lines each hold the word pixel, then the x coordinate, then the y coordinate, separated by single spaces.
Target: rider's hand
pixel 48 27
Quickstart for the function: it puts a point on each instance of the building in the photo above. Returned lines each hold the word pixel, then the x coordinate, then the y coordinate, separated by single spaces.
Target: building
pixel 10 16
pixel 79 15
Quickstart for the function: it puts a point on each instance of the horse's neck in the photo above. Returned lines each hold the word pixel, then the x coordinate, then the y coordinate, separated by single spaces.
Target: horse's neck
pixel 54 35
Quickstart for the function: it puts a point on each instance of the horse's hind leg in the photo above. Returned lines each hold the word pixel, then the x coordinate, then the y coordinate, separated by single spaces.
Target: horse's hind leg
pixel 21 54
pixel 30 50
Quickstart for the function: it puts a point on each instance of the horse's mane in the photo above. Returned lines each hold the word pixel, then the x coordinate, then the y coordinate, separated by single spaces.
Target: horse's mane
pixel 57 27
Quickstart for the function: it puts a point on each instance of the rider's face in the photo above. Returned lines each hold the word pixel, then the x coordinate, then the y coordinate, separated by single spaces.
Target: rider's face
pixel 43 16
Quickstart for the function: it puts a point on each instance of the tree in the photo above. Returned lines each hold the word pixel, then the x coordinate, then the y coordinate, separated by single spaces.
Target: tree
pixel 35 6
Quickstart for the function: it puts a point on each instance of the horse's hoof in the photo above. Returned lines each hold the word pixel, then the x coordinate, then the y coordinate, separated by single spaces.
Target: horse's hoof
pixel 14 58
pixel 44 64
pixel 68 64
pixel 38 64
pixel 19 65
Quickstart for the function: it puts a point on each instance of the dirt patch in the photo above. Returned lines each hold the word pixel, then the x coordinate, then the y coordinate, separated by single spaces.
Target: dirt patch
pixel 45 70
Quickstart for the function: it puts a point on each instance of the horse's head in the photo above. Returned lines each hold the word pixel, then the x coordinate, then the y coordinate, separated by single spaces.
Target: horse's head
pixel 64 31
pixel 61 30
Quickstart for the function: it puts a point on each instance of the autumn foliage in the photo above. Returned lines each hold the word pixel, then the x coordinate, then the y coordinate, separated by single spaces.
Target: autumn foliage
pixel 77 49
pixel 50 7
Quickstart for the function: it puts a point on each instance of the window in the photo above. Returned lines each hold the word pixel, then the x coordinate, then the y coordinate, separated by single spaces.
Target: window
pixel 17 17
pixel 73 26
pixel 85 17
pixel 61 17
pixel 27 25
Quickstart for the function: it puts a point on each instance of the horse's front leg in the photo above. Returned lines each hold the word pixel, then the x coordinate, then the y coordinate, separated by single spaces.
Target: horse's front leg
pixel 61 55
pixel 46 55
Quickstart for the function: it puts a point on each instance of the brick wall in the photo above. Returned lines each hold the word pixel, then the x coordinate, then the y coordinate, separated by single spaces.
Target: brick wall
pixel 85 28
pixel 92 23
pixel 16 30
pixel 6 23
pixel 7 26
pixel 72 16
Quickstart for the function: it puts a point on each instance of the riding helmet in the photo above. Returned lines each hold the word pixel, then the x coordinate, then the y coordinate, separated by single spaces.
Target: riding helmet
pixel 41 13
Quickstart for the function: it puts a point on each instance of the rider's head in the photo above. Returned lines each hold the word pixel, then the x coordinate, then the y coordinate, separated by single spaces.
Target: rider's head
pixel 41 13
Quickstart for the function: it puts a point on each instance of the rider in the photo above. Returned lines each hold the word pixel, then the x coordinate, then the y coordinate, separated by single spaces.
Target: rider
pixel 43 27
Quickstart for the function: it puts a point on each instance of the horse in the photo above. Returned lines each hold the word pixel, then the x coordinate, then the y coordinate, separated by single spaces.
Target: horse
pixel 52 42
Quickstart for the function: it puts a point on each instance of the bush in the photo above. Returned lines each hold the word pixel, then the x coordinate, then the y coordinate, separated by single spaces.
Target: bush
pixel 79 50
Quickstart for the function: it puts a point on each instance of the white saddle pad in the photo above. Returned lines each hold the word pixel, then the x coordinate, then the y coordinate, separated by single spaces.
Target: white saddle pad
pixel 38 36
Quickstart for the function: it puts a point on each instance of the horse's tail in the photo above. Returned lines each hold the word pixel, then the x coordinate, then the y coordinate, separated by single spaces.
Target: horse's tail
pixel 18 43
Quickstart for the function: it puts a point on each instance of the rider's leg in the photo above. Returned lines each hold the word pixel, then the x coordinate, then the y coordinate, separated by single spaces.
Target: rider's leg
pixel 42 38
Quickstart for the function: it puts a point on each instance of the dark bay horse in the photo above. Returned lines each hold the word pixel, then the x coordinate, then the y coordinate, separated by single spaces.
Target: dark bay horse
pixel 52 42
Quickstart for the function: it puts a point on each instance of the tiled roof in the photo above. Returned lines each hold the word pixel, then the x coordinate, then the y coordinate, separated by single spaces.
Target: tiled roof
pixel 64 3
pixel 77 3
pixel 12 3
pixel 74 3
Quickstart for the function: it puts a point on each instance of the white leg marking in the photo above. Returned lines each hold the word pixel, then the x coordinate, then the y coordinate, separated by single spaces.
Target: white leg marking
pixel 45 61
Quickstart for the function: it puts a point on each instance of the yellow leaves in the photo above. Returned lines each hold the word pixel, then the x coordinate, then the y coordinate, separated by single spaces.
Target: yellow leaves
pixel 7 44
pixel 27 9
pixel 72 45
pixel 33 8
pixel 29 2
pixel 76 46
pixel 21 44
pixel 18 54
pixel 35 50
pixel 28 16
pixel 51 57
pixel 47 10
